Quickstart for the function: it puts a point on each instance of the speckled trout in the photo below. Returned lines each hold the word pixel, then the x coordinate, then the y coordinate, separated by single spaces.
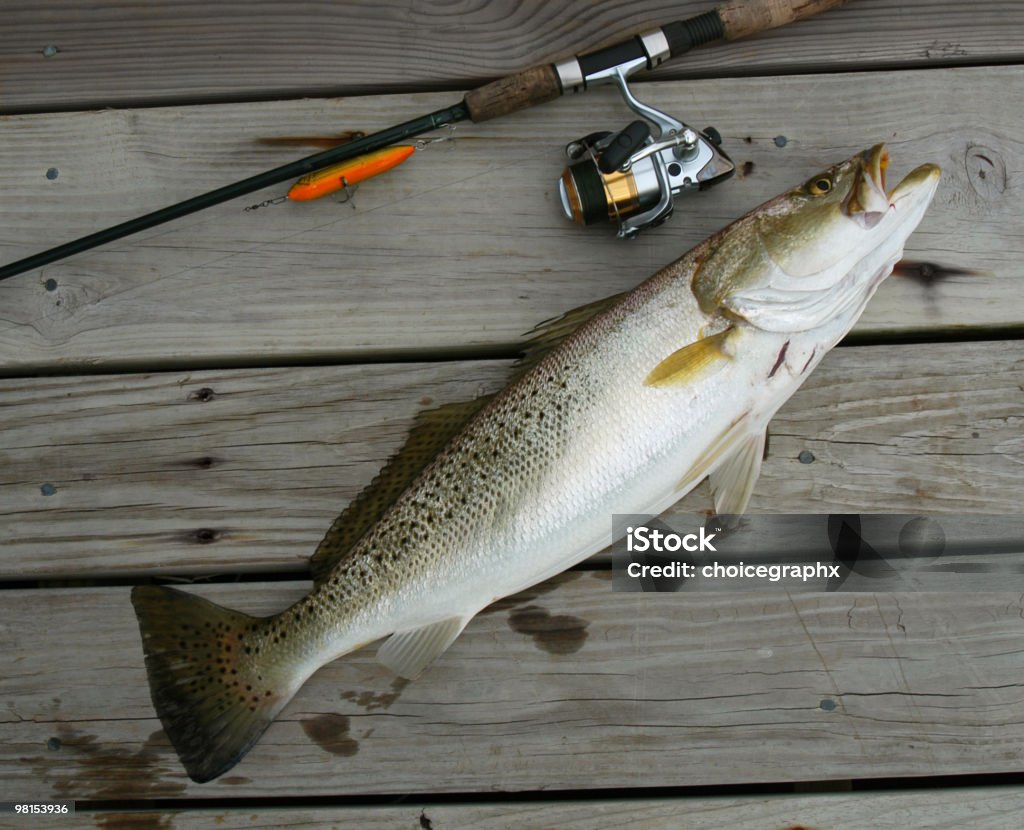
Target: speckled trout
pixel 619 407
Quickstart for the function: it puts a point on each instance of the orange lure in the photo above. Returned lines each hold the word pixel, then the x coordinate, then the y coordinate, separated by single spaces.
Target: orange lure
pixel 332 179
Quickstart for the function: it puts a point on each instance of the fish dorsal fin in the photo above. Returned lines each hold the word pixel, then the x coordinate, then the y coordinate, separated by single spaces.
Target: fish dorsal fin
pixel 547 335
pixel 691 362
pixel 408 653
pixel 432 429
pixel 733 481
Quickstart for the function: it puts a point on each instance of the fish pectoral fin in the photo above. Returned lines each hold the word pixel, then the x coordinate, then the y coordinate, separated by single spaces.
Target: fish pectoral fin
pixel 691 362
pixel 432 429
pixel 719 449
pixel 733 482
pixel 408 653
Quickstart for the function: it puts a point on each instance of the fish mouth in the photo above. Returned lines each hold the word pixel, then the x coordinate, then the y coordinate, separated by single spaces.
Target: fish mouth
pixel 920 180
pixel 869 201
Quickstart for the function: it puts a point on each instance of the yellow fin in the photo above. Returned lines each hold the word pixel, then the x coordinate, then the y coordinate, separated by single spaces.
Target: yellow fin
pixel 690 362
pixel 432 429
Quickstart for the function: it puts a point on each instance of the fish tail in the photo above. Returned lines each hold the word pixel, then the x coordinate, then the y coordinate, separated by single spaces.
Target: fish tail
pixel 215 680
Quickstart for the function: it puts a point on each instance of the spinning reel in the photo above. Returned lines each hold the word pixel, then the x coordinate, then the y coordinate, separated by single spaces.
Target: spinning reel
pixel 632 177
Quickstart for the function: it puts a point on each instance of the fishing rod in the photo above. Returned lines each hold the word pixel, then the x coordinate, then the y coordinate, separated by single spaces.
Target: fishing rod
pixel 630 176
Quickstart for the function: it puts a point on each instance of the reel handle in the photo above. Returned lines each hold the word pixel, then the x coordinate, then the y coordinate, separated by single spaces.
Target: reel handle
pixel 742 18
pixel 513 93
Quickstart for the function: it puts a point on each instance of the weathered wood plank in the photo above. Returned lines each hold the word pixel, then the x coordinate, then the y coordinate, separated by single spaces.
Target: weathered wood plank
pixel 569 686
pixel 243 471
pixel 991 808
pixel 463 248
pixel 129 53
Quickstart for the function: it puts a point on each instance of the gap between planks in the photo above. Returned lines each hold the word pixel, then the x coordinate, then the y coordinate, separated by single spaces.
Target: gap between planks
pixel 243 471
pixel 991 808
pixel 208 52
pixel 398 277
pixel 567 686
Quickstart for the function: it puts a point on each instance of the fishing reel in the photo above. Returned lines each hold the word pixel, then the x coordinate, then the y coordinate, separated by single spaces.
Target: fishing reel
pixel 633 176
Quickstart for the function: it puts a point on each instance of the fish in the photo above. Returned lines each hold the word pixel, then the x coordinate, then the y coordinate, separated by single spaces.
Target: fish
pixel 619 407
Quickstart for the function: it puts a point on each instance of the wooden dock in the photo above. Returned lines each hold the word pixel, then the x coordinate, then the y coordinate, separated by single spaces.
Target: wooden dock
pixel 196 405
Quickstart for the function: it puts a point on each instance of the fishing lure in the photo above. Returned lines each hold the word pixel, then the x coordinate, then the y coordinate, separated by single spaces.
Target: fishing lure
pixel 349 173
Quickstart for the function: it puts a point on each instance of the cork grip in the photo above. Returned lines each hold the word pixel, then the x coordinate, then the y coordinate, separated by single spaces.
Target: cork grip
pixel 514 92
pixel 748 17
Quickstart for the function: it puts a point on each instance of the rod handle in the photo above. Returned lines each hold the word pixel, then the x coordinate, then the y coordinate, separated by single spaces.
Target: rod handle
pixel 742 18
pixel 513 93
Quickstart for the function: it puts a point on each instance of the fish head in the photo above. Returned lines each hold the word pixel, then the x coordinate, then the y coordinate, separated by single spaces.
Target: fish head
pixel 818 249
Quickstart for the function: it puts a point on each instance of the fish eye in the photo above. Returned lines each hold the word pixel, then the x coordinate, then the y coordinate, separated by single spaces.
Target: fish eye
pixel 819 185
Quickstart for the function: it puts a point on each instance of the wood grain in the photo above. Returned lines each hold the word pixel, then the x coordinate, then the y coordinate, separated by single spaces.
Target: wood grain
pixel 243 471
pixel 991 808
pixel 570 686
pixel 130 53
pixel 463 248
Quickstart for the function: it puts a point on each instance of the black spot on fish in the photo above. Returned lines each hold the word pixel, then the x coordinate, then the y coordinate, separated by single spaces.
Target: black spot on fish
pixel 331 734
pixel 779 359
pixel 555 634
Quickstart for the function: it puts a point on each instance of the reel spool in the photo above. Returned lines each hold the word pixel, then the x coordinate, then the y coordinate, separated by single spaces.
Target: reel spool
pixel 632 177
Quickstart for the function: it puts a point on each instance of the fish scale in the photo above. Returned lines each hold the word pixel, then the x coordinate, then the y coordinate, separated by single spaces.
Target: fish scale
pixel 620 407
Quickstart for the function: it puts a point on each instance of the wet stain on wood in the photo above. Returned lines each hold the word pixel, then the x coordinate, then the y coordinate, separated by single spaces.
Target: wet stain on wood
pixel 134 821
pixel 929 274
pixel 331 734
pixel 553 633
pixel 85 769
pixel 324 141
pixel 532 593
pixel 371 701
